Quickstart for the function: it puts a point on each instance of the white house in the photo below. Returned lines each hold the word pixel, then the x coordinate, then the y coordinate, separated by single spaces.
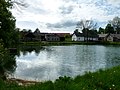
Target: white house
pixel 80 37
pixel 77 37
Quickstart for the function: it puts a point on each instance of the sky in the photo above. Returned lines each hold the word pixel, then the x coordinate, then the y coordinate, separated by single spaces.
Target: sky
pixel 63 15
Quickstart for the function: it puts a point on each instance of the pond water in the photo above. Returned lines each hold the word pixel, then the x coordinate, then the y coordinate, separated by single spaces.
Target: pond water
pixel 52 62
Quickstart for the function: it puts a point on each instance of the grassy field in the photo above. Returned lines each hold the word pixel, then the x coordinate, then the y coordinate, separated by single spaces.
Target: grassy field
pixel 101 80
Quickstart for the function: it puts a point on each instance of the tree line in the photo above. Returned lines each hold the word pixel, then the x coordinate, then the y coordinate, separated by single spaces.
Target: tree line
pixel 112 27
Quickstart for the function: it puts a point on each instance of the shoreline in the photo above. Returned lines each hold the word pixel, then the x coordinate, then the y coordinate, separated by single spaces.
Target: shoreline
pixel 103 80
pixel 22 82
pixel 45 43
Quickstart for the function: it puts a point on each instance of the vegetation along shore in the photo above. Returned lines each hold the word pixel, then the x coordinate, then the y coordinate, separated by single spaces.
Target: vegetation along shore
pixel 100 80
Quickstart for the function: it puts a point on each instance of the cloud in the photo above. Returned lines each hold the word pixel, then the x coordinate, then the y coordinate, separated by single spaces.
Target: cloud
pixel 62 24
pixel 114 2
pixel 27 24
pixel 66 10
pixel 63 14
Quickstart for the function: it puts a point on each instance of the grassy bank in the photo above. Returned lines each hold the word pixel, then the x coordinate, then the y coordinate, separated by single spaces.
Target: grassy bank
pixel 69 43
pixel 101 80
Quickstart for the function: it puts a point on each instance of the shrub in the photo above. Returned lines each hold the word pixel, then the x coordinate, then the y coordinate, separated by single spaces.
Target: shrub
pixel 7 62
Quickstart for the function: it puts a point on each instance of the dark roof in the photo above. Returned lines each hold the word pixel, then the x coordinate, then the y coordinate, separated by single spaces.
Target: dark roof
pixel 79 34
pixel 102 35
pixel 51 34
pixel 37 31
pixel 30 34
pixel 62 34
pixel 115 35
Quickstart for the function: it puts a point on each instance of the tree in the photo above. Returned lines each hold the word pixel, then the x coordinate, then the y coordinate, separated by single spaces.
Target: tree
pixel 8 33
pixel 7 62
pixel 86 25
pixel 101 30
pixel 19 3
pixel 76 31
pixel 109 29
pixel 115 23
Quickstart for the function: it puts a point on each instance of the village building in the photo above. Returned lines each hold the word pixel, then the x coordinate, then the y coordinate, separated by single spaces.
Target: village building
pixel 29 37
pixel 52 37
pixel 113 37
pixel 77 36
pixel 102 37
pixel 109 37
pixel 38 36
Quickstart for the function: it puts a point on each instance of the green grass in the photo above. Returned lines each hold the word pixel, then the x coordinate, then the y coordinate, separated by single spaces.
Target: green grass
pixel 68 43
pixel 101 80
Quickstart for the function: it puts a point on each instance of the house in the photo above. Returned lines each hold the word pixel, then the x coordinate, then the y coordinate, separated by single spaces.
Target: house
pixel 37 35
pixel 78 37
pixel 91 37
pixel 29 37
pixel 109 37
pixel 63 35
pixel 102 37
pixel 113 37
pixel 52 37
pixel 22 35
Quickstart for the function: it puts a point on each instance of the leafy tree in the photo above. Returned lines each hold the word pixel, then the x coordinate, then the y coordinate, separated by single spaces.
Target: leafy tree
pixel 101 30
pixel 7 62
pixel 109 29
pixel 76 31
pixel 8 33
pixel 116 24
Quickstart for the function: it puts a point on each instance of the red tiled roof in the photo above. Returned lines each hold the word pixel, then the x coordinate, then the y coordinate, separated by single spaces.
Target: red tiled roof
pixel 62 34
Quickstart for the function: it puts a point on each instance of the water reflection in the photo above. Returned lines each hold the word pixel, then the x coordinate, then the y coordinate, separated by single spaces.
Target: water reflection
pixel 25 49
pixel 54 61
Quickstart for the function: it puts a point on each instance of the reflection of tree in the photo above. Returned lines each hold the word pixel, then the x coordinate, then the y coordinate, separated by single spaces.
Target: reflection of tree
pixel 7 62
pixel 30 48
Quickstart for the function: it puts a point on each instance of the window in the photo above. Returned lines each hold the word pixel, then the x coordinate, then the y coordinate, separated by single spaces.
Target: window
pixel 48 39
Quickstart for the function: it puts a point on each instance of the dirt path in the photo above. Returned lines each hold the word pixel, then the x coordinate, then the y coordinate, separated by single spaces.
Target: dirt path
pixel 22 82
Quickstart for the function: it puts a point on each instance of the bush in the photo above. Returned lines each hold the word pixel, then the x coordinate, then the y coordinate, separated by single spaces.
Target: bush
pixel 7 62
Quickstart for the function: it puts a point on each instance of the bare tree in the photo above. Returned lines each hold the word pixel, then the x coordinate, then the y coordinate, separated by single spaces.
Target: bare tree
pixel 19 4
pixel 115 23
pixel 86 25
pixel 89 24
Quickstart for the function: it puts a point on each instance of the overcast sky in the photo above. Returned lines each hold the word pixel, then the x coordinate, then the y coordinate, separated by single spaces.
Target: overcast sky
pixel 62 15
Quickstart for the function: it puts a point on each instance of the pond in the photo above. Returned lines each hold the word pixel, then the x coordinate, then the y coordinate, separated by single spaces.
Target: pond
pixel 51 62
